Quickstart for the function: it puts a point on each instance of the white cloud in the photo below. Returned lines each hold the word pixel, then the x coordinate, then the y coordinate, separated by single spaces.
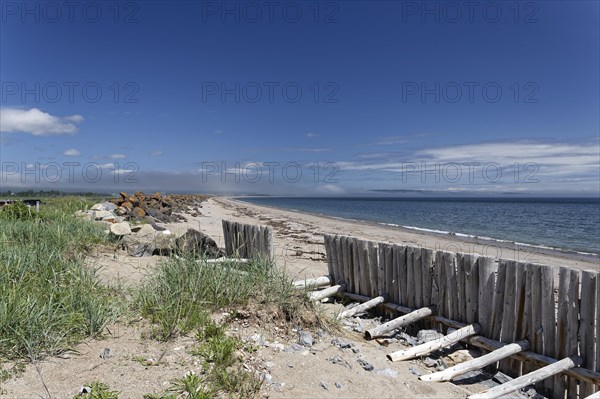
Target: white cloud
pixel 156 153
pixel 311 134
pixel 72 152
pixel 117 156
pixel 37 122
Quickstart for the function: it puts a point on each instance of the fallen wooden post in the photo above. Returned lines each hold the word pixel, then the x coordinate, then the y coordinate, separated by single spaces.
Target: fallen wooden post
pixel 593 396
pixel 225 260
pixel 432 346
pixel 363 307
pixel 528 379
pixel 476 364
pixel 579 373
pixel 399 322
pixel 327 292
pixel 313 282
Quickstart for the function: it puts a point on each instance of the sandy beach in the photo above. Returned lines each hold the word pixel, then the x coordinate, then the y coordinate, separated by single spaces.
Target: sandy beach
pixel 298 237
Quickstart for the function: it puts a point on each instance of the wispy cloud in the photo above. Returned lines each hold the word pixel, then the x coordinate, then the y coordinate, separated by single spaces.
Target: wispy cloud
pixel 312 135
pixel 37 122
pixel 156 153
pixel 72 152
pixel 117 156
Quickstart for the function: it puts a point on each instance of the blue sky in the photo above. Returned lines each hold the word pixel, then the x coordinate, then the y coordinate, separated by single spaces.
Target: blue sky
pixel 382 97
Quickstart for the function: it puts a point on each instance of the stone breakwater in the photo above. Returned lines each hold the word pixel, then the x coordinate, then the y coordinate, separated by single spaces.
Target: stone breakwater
pixel 132 221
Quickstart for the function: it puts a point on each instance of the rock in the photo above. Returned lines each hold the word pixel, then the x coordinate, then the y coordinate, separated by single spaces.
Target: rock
pixel 337 359
pixel 127 205
pixel 429 335
pixel 99 215
pixel 138 212
pixel 120 229
pixel 198 243
pixel 106 353
pixel 269 365
pixel 414 371
pixel 109 206
pixel 338 385
pixel 324 385
pixel 304 338
pixel 98 207
pixel 365 365
pixel 141 243
pixel 429 362
pixel 89 216
pixel 341 344
pixel 387 372
pixel 407 338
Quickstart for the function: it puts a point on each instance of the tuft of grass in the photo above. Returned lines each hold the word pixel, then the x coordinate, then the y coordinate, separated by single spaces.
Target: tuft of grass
pixel 49 299
pixel 98 390
pixel 182 292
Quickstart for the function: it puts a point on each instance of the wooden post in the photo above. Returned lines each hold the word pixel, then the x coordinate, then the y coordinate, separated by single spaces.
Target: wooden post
pixel 508 314
pixel 586 329
pixel 427 264
pixel 561 328
pixel 400 260
pixel 478 363
pixel 461 275
pixel 487 281
pixel 365 283
pixel 363 307
pixel 390 283
pixel 528 379
pixel 418 277
pixel 269 240
pixel 226 237
pixel 471 288
pixel 356 272
pixel 498 310
pixel 442 304
pixel 327 292
pixel 594 396
pixel 373 267
pixel 344 264
pixel 548 320
pixel 573 325
pixel 313 282
pixel 410 276
pixel 432 346
pixel 398 323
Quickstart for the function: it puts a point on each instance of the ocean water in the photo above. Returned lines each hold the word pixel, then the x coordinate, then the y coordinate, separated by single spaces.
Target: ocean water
pixel 566 224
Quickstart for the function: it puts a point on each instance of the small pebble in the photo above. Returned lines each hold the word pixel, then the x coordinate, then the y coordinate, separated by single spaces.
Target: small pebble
pixel 324 385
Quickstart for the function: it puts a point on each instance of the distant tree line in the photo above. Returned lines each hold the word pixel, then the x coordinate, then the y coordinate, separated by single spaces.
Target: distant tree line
pixel 49 193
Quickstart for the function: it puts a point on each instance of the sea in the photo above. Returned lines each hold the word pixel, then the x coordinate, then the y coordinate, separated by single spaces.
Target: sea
pixel 566 224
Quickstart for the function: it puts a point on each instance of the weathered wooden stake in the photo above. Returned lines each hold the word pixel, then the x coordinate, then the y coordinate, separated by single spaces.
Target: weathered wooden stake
pixel 327 292
pixel 399 322
pixel 363 307
pixel 529 379
pixel 432 346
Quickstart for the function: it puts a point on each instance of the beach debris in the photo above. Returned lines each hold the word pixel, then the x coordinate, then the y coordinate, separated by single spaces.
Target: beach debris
pixel 324 385
pixel 429 335
pixel 305 338
pixel 337 359
pixel 120 229
pixel 196 242
pixel 106 353
pixel 365 365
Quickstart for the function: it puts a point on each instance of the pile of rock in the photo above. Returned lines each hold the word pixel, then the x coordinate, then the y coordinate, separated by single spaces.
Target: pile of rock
pixel 146 239
pixel 156 206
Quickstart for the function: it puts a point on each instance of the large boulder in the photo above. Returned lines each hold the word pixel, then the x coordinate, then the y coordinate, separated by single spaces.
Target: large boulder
pixel 198 243
pixel 142 242
pixel 120 229
pixel 99 215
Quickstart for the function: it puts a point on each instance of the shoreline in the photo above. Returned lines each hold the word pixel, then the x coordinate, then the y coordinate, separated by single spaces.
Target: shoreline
pixel 431 239
pixel 461 236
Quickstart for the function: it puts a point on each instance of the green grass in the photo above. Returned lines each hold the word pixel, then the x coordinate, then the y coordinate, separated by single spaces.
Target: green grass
pixel 48 299
pixel 182 292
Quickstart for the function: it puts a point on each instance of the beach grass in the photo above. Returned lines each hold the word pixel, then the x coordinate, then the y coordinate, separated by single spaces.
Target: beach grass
pixel 48 299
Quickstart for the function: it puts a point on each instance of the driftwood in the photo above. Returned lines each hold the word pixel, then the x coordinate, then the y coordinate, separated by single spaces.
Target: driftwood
pixel 476 364
pixel 399 322
pixel 370 304
pixel 528 379
pixel 327 292
pixel 313 282
pixel 432 346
